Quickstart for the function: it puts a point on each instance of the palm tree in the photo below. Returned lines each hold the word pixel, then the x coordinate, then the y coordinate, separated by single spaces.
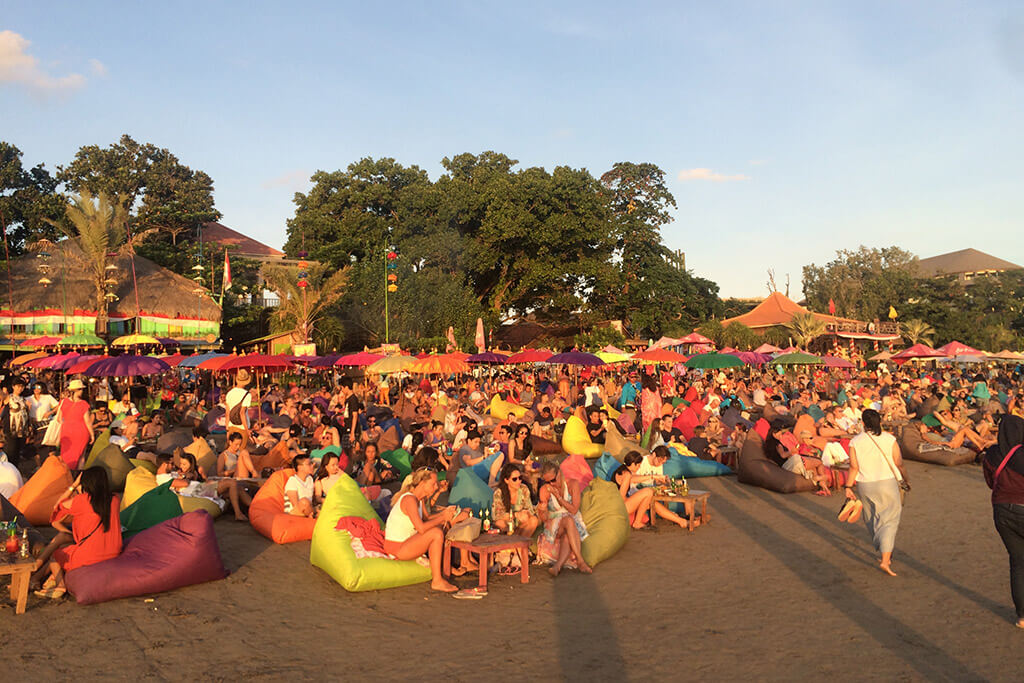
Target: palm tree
pixel 918 331
pixel 805 328
pixel 302 307
pixel 99 228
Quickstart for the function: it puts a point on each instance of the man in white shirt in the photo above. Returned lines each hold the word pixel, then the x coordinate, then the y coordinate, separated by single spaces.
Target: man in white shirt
pixel 237 403
pixel 10 477
pixel 41 406
pixel 298 490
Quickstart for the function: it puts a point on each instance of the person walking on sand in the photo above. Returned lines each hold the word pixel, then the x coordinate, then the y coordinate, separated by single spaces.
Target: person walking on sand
pixel 1004 473
pixel 876 467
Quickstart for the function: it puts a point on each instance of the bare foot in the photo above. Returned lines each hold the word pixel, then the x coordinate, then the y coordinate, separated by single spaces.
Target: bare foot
pixel 585 568
pixel 554 570
pixel 443 586
pixel 241 518
pixel 887 569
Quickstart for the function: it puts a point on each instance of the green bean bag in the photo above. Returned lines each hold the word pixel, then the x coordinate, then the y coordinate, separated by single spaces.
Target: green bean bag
pixel 400 460
pixel 331 549
pixel 151 508
pixel 101 442
pixel 604 514
pixel 319 453
pixel 689 466
pixel 115 464
pixel 145 464
pixel 605 467
pixel 470 491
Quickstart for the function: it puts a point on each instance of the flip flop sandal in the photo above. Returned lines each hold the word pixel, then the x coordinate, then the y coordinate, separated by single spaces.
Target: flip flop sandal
pixel 846 511
pixel 467 595
pixel 858 507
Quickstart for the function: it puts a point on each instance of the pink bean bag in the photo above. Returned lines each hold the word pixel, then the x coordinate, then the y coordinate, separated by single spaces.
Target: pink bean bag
pixel 576 467
pixel 180 552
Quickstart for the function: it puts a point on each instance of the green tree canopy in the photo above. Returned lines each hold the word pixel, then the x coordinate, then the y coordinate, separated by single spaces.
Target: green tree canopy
pixel 29 203
pixel 863 283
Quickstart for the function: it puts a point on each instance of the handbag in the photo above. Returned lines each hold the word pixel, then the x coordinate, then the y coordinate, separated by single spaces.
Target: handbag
pixel 896 472
pixel 52 435
pixel 465 531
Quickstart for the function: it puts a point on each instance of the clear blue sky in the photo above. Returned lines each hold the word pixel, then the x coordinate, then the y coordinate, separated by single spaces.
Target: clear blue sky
pixel 788 130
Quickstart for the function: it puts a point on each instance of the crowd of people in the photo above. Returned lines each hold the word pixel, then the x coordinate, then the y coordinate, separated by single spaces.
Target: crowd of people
pixel 831 426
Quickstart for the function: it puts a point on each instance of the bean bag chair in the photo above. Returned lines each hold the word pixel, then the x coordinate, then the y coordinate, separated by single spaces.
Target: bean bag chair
pixel 155 506
pixel 911 443
pixel 576 467
pixel 604 514
pixel 605 467
pixel 9 513
pixel 180 552
pixel 167 443
pixel 145 464
pixel 37 497
pixel 470 491
pixel 267 515
pixel 390 439
pixel 618 445
pixel 542 446
pixel 101 442
pixel 400 460
pixel 689 466
pixel 576 440
pixel 319 453
pixel 141 481
pixel 275 459
pixel 502 409
pixel 757 470
pixel 115 464
pixel 331 549
pixel 627 421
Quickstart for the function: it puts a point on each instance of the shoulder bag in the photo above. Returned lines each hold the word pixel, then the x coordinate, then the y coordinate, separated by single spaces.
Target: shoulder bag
pixel 900 478
pixel 52 435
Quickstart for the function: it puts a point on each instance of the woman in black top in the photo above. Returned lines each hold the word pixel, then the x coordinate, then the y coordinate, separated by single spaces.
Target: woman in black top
pixel 1004 473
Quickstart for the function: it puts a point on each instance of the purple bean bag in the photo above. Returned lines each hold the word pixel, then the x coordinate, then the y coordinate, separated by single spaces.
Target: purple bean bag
pixel 180 552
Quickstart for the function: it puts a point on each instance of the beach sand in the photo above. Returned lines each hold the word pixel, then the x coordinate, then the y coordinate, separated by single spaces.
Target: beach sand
pixel 773 589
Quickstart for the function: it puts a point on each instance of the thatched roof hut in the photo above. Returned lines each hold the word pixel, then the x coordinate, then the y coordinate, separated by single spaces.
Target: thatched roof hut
pixel 168 304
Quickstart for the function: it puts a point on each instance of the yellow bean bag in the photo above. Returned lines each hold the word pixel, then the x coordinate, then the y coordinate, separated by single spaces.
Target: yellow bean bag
pixel 331 548
pixel 140 481
pixel 503 409
pixel 576 441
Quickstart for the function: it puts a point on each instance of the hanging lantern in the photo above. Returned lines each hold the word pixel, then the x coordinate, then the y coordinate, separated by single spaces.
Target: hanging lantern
pixel 303 284
pixel 392 288
pixel 303 265
pixel 392 256
pixel 392 277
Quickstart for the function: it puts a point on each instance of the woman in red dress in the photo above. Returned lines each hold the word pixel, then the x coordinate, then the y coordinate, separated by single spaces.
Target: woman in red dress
pixel 95 524
pixel 75 426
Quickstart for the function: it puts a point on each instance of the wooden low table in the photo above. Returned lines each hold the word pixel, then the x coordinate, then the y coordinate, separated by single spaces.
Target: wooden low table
pixel 695 496
pixel 484 546
pixel 21 573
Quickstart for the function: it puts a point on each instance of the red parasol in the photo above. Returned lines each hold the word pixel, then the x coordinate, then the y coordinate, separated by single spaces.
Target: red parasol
pixel 358 360
pixel 529 356
pixel 256 361
pixel 660 356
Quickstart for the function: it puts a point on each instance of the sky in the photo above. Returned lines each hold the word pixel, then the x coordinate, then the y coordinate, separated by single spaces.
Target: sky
pixel 786 130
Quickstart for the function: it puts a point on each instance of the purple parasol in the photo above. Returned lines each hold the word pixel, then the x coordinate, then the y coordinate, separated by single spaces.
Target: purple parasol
pixel 488 358
pixel 127 366
pixel 750 357
pixel 574 358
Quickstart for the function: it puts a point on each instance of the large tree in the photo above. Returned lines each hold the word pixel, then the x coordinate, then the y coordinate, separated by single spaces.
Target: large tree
pixel 862 283
pixel 29 203
pixel 160 192
pixel 649 289
pixel 304 301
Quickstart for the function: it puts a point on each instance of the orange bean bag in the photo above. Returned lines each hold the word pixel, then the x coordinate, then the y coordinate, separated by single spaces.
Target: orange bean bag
pixel 37 497
pixel 267 515
pixel 276 458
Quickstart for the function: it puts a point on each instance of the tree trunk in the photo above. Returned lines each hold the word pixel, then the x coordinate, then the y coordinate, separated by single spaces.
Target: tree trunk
pixel 101 312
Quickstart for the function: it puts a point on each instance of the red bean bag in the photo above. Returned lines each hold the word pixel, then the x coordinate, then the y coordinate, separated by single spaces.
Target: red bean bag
pixel 37 497
pixel 180 552
pixel 267 515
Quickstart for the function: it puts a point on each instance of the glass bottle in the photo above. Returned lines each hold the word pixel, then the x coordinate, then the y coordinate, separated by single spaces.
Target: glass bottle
pixel 23 551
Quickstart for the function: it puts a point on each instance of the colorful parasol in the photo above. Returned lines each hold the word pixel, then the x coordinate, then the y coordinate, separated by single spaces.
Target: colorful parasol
pixel 135 340
pixel 358 360
pixel 714 361
pixel 438 365
pixel 575 358
pixel 256 361
pixel 390 364
pixel 126 366
pixel 194 361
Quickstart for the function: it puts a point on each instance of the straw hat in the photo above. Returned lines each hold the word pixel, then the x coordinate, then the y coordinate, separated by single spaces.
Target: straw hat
pixel 76 384
pixel 242 378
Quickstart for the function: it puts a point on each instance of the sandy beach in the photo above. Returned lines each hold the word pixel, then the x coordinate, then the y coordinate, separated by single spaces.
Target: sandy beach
pixel 774 588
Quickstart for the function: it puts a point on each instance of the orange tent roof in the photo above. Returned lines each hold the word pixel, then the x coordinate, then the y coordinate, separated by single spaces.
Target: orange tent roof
pixel 778 309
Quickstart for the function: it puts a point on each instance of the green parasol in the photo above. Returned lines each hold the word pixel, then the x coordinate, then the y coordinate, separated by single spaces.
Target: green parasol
pixel 81 339
pixel 797 358
pixel 714 361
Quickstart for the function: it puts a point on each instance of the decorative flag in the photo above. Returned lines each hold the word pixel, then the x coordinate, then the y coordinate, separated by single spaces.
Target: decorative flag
pixel 451 339
pixel 892 313
pixel 831 307
pixel 481 343
pixel 225 281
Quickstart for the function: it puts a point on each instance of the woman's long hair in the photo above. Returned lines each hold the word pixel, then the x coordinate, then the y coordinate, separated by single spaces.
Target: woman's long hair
pixel 414 480
pixel 506 472
pixel 96 485
pixel 324 462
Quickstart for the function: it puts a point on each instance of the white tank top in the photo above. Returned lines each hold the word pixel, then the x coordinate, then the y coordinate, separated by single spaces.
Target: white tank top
pixel 399 527
pixel 874 456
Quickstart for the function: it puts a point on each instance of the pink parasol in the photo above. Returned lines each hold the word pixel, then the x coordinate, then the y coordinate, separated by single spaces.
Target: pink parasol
pixel 359 360
pixel 835 362
pixel 256 361
pixel 529 356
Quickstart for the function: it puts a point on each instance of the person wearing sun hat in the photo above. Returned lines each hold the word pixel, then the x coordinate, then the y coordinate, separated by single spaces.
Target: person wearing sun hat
pixel 75 424
pixel 237 404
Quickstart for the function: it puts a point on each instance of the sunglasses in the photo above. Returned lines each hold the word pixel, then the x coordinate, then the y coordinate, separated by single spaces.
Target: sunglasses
pixel 516 478
pixel 550 481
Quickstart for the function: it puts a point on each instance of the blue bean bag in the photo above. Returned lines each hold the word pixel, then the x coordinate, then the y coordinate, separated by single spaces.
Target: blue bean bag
pixel 469 491
pixel 179 552
pixel 483 468
pixel 690 467
pixel 605 467
pixel 151 508
pixel 331 548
